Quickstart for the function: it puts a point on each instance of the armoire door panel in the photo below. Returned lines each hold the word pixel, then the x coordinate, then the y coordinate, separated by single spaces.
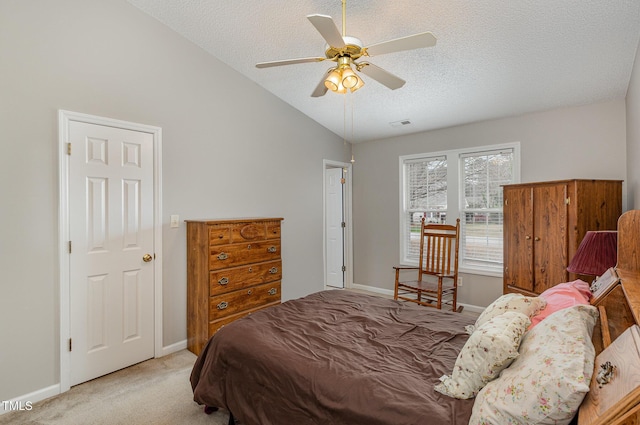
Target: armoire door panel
pixel 550 236
pixel 518 240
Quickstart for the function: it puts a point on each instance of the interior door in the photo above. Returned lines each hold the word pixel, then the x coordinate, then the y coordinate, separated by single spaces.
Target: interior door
pixel 334 215
pixel 111 261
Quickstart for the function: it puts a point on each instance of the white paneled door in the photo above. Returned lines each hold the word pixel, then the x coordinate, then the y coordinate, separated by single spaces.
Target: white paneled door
pixel 111 289
pixel 334 217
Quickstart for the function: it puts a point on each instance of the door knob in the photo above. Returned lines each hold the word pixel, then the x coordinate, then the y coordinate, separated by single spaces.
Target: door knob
pixel 146 258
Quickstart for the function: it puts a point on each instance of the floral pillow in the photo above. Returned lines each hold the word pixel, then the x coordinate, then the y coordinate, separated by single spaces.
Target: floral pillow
pixel 529 306
pixel 550 377
pixel 491 348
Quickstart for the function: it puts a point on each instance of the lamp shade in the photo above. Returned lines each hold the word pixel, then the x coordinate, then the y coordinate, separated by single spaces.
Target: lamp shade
pixel 596 254
pixel 334 80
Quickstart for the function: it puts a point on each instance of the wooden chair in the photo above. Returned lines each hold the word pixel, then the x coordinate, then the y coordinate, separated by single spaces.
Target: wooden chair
pixel 437 282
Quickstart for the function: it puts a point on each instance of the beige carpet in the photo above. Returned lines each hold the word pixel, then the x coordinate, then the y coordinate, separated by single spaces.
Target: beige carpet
pixel 153 392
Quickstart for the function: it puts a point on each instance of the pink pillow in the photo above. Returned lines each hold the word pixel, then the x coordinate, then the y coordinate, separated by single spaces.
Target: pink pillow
pixel 561 296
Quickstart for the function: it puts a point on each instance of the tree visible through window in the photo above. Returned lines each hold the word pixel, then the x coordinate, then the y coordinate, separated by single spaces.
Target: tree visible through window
pixel 484 174
pixel 427 197
pixel 458 184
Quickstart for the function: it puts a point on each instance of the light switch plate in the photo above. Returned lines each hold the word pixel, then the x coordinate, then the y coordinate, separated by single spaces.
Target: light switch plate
pixel 175 220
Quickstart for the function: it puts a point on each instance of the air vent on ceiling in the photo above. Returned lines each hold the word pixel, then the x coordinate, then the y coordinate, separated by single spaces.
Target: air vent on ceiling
pixel 400 123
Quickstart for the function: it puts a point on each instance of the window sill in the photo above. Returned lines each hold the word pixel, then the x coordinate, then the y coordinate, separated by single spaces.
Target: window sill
pixel 480 272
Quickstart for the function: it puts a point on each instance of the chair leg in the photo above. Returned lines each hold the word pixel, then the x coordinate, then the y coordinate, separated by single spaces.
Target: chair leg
pixel 395 291
pixel 455 295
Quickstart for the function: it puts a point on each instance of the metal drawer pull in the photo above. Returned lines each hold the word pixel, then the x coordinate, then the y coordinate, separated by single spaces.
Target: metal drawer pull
pixel 223 281
pixel 222 256
pixel 222 305
pixel 273 270
pixel 273 291
pixel 605 374
pixel 272 249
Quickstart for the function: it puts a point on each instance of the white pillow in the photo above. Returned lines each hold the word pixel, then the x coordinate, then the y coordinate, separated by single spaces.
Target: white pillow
pixel 550 377
pixel 491 348
pixel 529 306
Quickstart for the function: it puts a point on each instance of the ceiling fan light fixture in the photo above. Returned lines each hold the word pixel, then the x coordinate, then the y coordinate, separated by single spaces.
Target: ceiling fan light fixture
pixel 359 84
pixel 349 78
pixel 334 80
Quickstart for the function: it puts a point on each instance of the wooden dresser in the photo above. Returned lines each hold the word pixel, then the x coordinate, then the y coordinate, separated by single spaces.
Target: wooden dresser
pixel 544 224
pixel 234 267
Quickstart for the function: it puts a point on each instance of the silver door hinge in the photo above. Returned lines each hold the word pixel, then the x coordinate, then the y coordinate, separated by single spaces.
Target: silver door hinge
pixel 70 345
pixel 567 201
pixel 69 247
pixel 344 268
pixel 344 224
pixel 68 148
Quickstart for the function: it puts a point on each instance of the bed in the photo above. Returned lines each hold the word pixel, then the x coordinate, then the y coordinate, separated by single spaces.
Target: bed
pixel 358 359
pixel 337 357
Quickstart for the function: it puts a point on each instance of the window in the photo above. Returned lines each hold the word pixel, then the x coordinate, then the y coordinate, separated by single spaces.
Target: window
pixel 465 184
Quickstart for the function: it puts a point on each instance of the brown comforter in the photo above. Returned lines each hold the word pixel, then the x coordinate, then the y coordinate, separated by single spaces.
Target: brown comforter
pixel 335 357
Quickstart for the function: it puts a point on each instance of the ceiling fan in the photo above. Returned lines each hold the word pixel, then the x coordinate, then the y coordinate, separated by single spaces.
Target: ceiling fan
pixel 345 50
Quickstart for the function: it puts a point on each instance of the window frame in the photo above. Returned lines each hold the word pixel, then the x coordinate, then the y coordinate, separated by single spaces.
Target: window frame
pixel 455 196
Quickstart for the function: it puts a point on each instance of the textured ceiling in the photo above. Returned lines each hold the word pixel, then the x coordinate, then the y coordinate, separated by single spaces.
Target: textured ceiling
pixel 492 58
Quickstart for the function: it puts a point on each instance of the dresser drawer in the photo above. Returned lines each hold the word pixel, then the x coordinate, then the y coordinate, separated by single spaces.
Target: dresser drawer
pixel 228 280
pixel 215 325
pixel 273 229
pixel 223 256
pixel 605 404
pixel 233 302
pixel 219 234
pixel 247 232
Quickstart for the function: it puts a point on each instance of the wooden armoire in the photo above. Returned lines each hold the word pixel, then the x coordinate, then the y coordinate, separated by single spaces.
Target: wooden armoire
pixel 544 224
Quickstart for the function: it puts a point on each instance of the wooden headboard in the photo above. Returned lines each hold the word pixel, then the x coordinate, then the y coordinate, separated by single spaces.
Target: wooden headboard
pixel 618 401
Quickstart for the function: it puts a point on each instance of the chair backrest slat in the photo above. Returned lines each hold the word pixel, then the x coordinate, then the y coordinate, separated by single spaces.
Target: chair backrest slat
pixel 438 248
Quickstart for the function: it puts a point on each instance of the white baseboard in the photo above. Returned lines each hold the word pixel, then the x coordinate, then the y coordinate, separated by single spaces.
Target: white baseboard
pixel 24 402
pixel 473 308
pixel 389 292
pixel 374 289
pixel 174 348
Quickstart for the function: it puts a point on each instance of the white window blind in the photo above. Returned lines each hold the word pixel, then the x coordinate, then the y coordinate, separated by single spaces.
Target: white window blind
pixel 483 173
pixel 426 196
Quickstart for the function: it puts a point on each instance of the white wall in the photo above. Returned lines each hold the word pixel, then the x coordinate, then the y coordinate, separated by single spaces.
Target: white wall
pixel 579 142
pixel 229 148
pixel 633 136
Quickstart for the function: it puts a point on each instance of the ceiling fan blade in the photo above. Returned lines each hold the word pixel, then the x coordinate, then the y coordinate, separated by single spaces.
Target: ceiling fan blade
pixel 320 89
pixel 288 62
pixel 380 75
pixel 327 29
pixel 416 41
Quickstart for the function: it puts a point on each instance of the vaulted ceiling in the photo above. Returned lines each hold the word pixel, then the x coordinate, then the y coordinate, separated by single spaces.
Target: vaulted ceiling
pixel 492 58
